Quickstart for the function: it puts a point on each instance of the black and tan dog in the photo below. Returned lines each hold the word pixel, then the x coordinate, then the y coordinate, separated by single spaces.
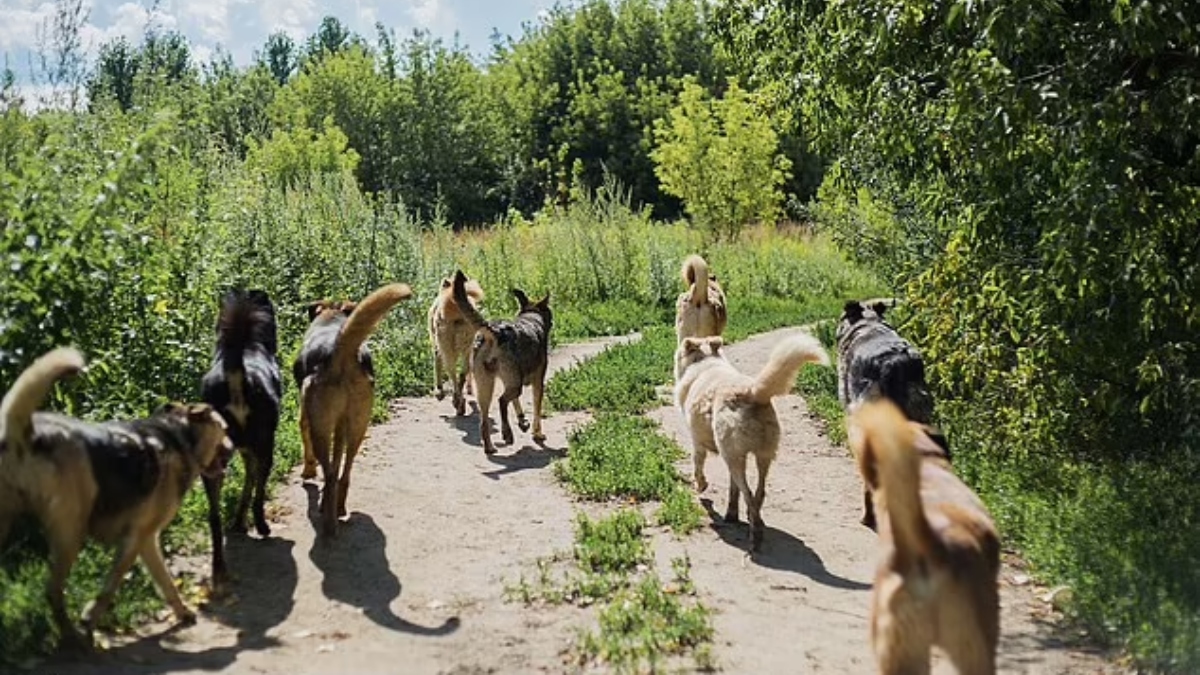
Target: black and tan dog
pixel 119 482
pixel 516 353
pixel 700 310
pixel 937 578
pixel 336 377
pixel 875 362
pixel 243 385
pixel 452 335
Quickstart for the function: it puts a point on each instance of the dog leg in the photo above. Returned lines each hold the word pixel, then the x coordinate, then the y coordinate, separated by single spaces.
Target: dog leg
pixel 310 459
pixel 510 396
pixel 900 635
pixel 699 455
pixel 212 489
pixel 522 421
pixel 250 467
pixel 354 438
pixel 731 511
pixel 764 467
pixel 439 375
pixel 460 399
pixel 539 390
pixel 127 553
pixel 868 518
pixel 151 555
pixel 485 387
pixel 737 479
pixel 264 462
pixel 65 544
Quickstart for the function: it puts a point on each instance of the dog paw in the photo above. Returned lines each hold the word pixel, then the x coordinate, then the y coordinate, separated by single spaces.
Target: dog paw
pixel 439 394
pixel 701 484
pixel 539 437
pixel 263 529
pixel 732 517
pixel 237 527
pixel 507 435
pixel 309 472
pixel 489 449
pixel 185 618
pixel 523 423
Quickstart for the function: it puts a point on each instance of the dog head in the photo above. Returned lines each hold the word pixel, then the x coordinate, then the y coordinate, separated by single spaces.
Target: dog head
pixel 693 350
pixel 328 310
pixel 541 307
pixel 213 449
pixel 855 313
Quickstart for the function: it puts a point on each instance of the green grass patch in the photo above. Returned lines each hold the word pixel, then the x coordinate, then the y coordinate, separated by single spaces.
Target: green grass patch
pixel 612 544
pixel 622 378
pixel 647 623
pixel 610 317
pixel 680 511
pixel 619 456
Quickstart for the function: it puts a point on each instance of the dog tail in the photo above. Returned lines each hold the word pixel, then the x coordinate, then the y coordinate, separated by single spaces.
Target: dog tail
pixel 461 297
pixel 884 443
pixel 363 320
pixel 30 391
pixel 695 274
pixel 776 378
pixel 903 381
pixel 246 319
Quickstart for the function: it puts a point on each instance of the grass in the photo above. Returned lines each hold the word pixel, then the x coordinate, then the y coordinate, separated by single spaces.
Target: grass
pixel 622 379
pixel 613 544
pixel 619 456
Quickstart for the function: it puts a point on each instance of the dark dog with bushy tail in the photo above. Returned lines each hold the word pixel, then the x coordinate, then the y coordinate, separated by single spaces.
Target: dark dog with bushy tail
pixel 244 385
pixel 875 362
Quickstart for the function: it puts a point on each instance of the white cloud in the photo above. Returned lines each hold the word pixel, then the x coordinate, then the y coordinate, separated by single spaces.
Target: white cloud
pixel 432 14
pixel 297 18
pixel 19 28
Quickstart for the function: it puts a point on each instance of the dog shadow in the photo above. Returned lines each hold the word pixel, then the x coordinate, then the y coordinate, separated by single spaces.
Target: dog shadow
pixel 467 424
pixel 780 551
pixel 356 571
pixel 264 585
pixel 528 457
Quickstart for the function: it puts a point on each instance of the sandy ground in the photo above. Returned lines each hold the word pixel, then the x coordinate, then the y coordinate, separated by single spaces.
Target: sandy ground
pixel 414 582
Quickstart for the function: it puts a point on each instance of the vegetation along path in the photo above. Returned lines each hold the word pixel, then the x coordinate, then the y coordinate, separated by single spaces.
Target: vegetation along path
pixel 415 581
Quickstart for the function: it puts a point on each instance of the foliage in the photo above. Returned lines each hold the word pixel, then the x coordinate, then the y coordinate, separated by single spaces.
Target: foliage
pixel 1036 164
pixel 680 511
pixel 721 158
pixel 611 544
pixel 289 159
pixel 619 456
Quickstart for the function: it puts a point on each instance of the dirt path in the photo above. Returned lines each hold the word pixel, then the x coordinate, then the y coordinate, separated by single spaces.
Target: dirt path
pixel 414 583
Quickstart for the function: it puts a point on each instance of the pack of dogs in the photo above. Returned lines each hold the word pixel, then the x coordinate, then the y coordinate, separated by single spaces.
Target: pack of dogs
pixel 121 482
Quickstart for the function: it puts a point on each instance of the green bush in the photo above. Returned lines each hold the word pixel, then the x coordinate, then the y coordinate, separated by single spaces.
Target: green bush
pixel 619 456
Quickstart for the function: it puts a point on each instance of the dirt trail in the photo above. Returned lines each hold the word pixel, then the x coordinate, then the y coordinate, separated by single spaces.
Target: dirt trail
pixel 415 581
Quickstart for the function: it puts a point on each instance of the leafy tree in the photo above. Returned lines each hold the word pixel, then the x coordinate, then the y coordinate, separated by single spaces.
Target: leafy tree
pixel 279 56
pixel 290 159
pixel 721 158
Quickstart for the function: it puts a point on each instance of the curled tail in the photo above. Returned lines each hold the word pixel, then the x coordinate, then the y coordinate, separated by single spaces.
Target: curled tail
pixel 695 274
pixel 30 391
pixel 883 441
pixel 363 321
pixel 461 297
pixel 776 378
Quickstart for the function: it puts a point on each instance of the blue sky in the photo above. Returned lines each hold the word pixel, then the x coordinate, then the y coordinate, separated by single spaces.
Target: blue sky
pixel 241 26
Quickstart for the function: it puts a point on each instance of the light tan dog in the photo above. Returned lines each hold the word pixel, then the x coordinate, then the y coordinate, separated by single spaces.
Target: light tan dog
pixel 936 583
pixel 119 483
pixel 700 310
pixel 336 377
pixel 731 414
pixel 451 333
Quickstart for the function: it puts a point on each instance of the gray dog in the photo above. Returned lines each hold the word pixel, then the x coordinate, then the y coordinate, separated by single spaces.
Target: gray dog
pixel 875 362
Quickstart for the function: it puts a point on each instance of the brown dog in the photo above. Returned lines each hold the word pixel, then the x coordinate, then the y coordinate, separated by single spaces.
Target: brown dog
pixel 336 377
pixel 120 483
pixel 451 334
pixel 937 580
pixel 731 414
pixel 517 353
pixel 700 310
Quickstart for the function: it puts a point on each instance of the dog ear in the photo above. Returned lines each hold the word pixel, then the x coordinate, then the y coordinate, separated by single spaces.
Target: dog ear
pixel 852 311
pixel 447 282
pixel 348 307
pixel 691 345
pixel 314 308
pixel 522 299
pixel 879 308
pixel 544 303
pixel 715 343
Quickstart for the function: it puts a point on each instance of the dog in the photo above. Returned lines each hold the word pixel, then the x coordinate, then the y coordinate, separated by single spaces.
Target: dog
pixel 731 414
pixel 451 335
pixel 937 579
pixel 517 353
pixel 873 362
pixel 700 310
pixel 244 386
pixel 118 482
pixel 336 377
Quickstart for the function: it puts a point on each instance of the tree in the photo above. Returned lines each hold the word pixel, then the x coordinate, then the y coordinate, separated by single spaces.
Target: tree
pixel 721 158
pixel 279 56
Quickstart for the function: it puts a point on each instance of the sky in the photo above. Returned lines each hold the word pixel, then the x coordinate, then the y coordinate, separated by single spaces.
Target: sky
pixel 241 26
